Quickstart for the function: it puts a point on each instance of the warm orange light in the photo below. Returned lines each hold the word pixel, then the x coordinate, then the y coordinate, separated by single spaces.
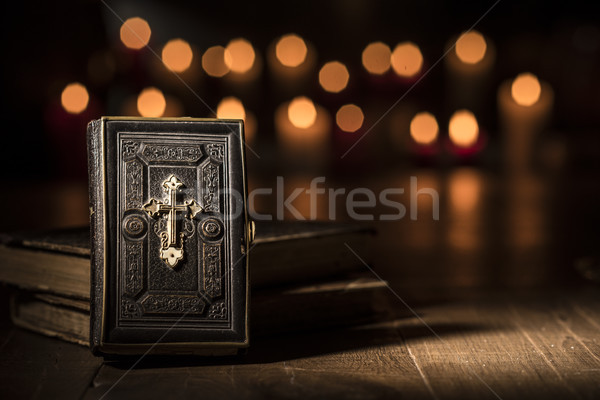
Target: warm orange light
pixel 151 103
pixel 349 118
pixel 135 33
pixel 465 190
pixel 526 89
pixel 376 58
pixel 463 128
pixel 302 112
pixel 239 55
pixel 334 76
pixel 74 98
pixel 231 108
pixel 471 47
pixel 177 55
pixel 291 50
pixel 213 62
pixel 424 128
pixel 407 59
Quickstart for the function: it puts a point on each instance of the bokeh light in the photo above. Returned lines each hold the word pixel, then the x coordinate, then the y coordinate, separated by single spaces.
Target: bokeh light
pixel 407 59
pixel 526 89
pixel 465 190
pixel 135 33
pixel 231 108
pixel 334 76
pixel 151 102
pixel 302 112
pixel 291 50
pixel 177 55
pixel 213 62
pixel 376 58
pixel 349 118
pixel 471 47
pixel 74 98
pixel 239 55
pixel 463 128
pixel 424 128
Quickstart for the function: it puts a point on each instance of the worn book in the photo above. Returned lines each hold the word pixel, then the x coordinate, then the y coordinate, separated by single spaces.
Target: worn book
pixel 294 308
pixel 57 262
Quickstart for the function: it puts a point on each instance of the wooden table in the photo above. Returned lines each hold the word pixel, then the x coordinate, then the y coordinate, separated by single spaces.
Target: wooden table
pixel 507 346
pixel 495 310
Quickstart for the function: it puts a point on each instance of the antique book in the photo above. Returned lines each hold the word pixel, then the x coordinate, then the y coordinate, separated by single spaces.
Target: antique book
pixel 283 252
pixel 294 308
pixel 169 236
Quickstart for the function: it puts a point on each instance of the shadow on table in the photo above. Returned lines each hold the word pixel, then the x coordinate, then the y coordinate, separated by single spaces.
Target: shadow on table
pixel 288 347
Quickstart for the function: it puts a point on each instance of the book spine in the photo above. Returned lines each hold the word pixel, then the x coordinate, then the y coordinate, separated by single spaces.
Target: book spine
pixel 96 192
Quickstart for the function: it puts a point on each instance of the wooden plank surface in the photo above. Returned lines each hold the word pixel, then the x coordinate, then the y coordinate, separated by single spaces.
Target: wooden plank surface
pixel 507 347
pixel 366 362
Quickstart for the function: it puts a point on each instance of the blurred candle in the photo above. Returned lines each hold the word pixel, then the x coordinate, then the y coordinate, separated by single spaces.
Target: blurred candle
pixel 303 132
pixel 151 102
pixel 135 33
pixel 424 128
pixel 239 56
pixel 376 58
pixel 465 190
pixel 524 106
pixel 334 77
pixel 232 108
pixel 65 118
pixel 349 118
pixel 349 127
pixel 463 128
pixel 213 62
pixel 424 132
pixel 74 98
pixel 177 55
pixel 465 233
pixel 178 60
pixel 243 61
pixel 407 60
pixel 291 60
pixel 245 66
pixel 291 50
pixel 466 137
pixel 469 65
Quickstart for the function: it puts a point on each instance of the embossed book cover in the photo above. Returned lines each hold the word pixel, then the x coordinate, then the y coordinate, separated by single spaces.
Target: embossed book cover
pixel 169 236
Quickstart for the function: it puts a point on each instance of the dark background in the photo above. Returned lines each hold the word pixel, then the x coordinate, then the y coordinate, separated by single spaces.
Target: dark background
pixel 48 45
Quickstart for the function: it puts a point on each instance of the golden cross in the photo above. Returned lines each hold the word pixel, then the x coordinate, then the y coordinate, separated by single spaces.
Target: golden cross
pixel 170 252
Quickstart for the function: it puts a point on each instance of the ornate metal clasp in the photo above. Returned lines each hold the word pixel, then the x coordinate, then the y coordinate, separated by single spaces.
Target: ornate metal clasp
pixel 171 253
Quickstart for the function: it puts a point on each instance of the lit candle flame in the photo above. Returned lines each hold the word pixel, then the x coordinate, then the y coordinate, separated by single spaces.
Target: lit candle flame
pixel 526 89
pixel 74 98
pixel 376 58
pixel 135 33
pixel 151 103
pixel 302 112
pixel 291 50
pixel 424 128
pixel 349 118
pixel 177 55
pixel 407 59
pixel 471 47
pixel 334 77
pixel 463 128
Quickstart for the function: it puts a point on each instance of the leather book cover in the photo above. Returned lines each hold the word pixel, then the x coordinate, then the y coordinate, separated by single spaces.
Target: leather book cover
pixel 169 235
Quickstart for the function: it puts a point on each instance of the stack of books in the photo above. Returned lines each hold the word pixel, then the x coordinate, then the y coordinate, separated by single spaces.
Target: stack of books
pixel 303 276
